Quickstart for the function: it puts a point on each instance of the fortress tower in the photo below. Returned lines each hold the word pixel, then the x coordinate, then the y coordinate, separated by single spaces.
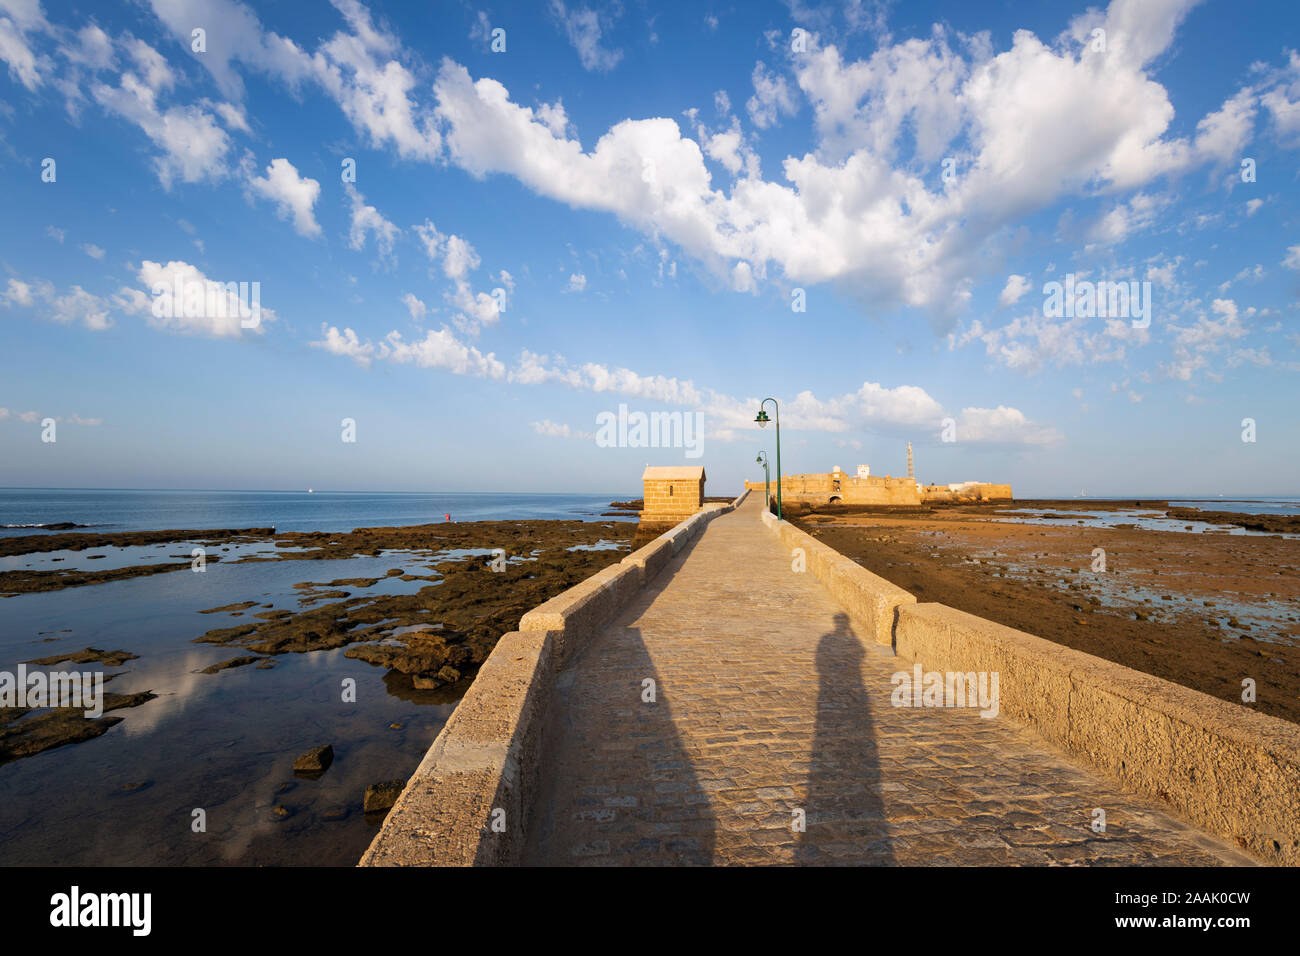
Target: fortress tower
pixel 911 472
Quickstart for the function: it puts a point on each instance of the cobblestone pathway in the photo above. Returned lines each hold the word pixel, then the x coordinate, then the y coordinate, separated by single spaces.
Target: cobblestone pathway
pixel 767 703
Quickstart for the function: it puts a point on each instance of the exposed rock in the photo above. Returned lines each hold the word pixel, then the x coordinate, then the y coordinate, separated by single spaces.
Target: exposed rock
pixel 316 760
pixel 1251 522
pixel 30 582
pixel 228 608
pixel 62 725
pixel 91 655
pixel 380 797
pixel 36 543
pixel 226 665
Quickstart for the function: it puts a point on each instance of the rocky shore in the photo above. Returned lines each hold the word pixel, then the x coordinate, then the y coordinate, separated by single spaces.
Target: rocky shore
pixel 476 580
pixel 441 633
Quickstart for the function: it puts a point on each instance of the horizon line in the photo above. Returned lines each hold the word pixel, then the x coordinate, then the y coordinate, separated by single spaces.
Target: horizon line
pixel 335 491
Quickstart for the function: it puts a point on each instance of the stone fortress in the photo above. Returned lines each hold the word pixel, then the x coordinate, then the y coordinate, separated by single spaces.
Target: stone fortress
pixel 864 488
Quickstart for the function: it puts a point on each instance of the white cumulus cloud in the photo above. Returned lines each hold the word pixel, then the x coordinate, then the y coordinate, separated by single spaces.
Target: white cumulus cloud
pixel 294 195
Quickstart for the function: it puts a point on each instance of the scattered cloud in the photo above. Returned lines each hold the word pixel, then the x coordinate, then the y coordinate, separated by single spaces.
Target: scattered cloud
pixel 180 298
pixel 583 26
pixel 416 307
pixel 294 196
pixel 194 148
pixel 438 349
pixel 76 305
pixel 772 98
pixel 552 430
pixel 368 221
pixel 1016 287
pixel 31 417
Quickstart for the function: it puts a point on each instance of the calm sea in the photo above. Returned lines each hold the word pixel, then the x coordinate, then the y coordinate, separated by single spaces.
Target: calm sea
pixel 130 510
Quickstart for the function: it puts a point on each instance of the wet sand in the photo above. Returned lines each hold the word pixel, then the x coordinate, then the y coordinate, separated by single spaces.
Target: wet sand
pixel 1205 609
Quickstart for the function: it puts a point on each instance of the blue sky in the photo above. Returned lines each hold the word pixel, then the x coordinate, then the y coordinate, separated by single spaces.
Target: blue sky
pixel 648 188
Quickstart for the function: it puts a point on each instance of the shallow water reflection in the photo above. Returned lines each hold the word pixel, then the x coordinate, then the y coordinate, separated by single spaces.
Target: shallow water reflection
pixel 1143 520
pixel 222 743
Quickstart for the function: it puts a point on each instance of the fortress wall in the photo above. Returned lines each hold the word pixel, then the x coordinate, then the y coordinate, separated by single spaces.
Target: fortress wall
pixel 983 491
pixel 876 490
pixel 820 488
pixel 484 766
pixel 1230 770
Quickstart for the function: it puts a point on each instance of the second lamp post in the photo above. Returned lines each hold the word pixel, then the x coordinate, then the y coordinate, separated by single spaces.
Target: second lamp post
pixel 762 420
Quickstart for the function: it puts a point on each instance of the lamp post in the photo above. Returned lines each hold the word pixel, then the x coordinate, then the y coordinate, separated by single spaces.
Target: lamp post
pixel 762 420
pixel 767 478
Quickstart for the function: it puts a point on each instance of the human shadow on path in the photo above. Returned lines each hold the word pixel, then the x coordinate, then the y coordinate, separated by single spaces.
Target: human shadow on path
pixel 845 815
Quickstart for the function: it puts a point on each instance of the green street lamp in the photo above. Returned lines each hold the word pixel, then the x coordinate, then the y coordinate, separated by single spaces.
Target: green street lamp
pixel 762 420
pixel 767 478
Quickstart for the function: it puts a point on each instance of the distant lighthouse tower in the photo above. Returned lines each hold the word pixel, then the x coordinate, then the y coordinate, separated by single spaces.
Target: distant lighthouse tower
pixel 911 472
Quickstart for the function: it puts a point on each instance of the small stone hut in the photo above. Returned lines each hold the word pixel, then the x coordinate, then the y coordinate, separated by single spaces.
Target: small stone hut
pixel 672 493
